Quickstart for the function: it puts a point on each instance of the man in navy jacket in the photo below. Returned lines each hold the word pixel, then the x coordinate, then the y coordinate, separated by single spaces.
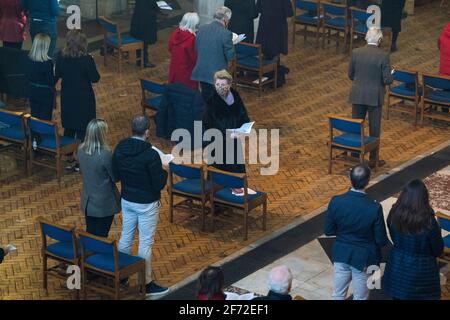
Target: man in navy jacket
pixel 360 230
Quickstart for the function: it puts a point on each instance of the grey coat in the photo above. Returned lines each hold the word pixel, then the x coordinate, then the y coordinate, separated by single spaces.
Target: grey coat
pixel 99 196
pixel 370 71
pixel 215 50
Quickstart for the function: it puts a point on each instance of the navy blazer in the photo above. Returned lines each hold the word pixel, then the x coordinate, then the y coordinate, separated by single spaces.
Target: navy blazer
pixel 358 224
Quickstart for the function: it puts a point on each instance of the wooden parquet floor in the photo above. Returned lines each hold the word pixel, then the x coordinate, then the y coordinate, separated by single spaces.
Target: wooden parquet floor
pixel 317 85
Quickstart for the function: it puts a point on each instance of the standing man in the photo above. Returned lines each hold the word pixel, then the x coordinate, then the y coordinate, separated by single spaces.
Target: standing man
pixel 370 72
pixel 358 224
pixel 215 50
pixel 144 26
pixel 138 167
pixel 42 16
pixel 391 16
pixel 243 20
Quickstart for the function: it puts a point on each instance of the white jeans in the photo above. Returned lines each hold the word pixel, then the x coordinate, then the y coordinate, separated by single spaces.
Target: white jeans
pixel 343 275
pixel 145 217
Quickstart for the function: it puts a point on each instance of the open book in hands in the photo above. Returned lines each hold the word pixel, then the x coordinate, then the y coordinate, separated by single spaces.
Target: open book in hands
pixel 163 5
pixel 246 128
pixel 238 38
pixel 235 296
pixel 165 158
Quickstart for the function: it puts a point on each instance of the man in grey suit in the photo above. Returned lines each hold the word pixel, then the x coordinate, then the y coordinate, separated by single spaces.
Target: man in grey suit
pixel 370 72
pixel 215 50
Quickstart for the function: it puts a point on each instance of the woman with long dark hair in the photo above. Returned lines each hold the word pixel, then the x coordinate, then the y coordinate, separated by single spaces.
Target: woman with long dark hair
pixel 210 283
pixel 412 271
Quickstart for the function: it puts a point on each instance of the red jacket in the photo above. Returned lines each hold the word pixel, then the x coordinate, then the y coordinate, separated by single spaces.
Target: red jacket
pixel 183 58
pixel 444 48
pixel 12 21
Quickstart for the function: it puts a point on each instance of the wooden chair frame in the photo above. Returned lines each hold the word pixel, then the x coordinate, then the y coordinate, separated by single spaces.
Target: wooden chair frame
pixel 318 25
pixel 353 32
pixel 24 144
pixel 445 258
pixel 144 105
pixel 337 29
pixel 426 101
pixel 246 207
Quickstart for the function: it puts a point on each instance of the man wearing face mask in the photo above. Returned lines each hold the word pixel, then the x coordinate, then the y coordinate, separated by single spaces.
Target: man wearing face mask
pixel 225 111
pixel 215 50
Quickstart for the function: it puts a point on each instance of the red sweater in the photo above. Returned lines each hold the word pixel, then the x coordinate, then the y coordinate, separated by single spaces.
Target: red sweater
pixel 12 21
pixel 444 48
pixel 183 58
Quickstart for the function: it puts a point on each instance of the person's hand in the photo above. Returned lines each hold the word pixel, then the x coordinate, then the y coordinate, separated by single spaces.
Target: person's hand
pixel 5 250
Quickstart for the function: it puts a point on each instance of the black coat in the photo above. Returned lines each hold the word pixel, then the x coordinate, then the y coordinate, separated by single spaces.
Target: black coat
pixel 242 19
pixel 391 14
pixel 41 81
pixel 219 115
pixel 143 23
pixel 138 167
pixel 273 26
pixel 77 95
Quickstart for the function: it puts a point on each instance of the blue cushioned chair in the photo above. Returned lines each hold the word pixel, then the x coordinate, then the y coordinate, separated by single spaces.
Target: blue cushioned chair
pixel 13 132
pixel 106 261
pixel 152 95
pixel 193 186
pixel 49 141
pixel 307 14
pixel 444 222
pixel 63 249
pixel 405 88
pixel 113 39
pixel 351 138
pixel 225 197
pixel 335 18
pixel 436 92
pixel 249 58
pixel 358 24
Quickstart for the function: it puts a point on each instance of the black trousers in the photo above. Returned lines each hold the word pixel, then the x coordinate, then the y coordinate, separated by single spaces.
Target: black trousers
pixel 359 111
pixel 73 133
pixel 99 226
pixel 207 90
pixel 145 53
pixel 14 45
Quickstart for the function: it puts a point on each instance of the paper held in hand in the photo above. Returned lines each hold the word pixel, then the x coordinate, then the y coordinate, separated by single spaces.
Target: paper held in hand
pixel 246 128
pixel 165 158
pixel 11 248
pixel 163 5
pixel 238 38
pixel 236 296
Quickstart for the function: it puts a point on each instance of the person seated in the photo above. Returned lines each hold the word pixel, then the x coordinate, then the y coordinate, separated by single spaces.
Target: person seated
pixel 279 283
pixel 211 283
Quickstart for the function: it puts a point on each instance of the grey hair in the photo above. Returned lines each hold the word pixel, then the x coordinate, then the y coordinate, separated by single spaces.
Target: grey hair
pixel 222 13
pixel 139 125
pixel 374 36
pixel 190 22
pixel 280 280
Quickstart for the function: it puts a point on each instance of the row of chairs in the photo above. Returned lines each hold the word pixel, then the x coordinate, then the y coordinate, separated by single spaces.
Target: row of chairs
pixel 328 17
pixel 32 135
pixel 434 91
pixel 208 184
pixel 95 256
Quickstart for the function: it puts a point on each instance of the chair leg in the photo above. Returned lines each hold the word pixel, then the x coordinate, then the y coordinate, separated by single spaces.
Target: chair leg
pixel 293 33
pixel 58 168
pixel 416 107
pixel 120 61
pixel 260 83
pixel 305 36
pixel 330 159
pixel 422 112
pixel 388 107
pixel 361 157
pixel 203 213
pixel 245 224
pixel 83 282
pixel 116 288
pixel 265 215
pixel 213 222
pixel 170 207
pixel 44 275
pixel 105 52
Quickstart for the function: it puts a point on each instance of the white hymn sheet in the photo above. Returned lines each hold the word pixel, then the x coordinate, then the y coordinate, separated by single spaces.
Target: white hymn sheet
pixel 163 5
pixel 165 158
pixel 238 38
pixel 246 128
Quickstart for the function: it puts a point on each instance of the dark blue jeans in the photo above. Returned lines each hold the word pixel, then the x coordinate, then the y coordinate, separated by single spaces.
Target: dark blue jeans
pixel 48 28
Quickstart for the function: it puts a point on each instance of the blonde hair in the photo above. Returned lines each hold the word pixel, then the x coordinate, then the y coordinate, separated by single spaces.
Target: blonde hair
pixel 96 139
pixel 39 48
pixel 223 75
pixel 76 44
pixel 190 22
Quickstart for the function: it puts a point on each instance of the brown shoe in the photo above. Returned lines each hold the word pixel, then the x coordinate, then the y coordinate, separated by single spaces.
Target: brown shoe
pixel 380 163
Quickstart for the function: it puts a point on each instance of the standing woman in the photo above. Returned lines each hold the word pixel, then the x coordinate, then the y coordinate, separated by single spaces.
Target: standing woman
pixel 391 16
pixel 144 26
pixel 412 272
pixel 100 199
pixel 77 71
pixel 41 78
pixel 444 49
pixel 273 26
pixel 242 20
pixel 12 23
pixel 183 55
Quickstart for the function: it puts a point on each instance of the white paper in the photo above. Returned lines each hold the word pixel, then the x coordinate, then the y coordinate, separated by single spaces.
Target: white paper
pixel 165 158
pixel 263 79
pixel 249 192
pixel 238 38
pixel 11 248
pixel 235 296
pixel 163 5
pixel 246 128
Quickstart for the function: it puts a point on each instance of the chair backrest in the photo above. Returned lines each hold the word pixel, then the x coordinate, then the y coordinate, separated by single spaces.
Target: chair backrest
pixel 444 221
pixel 248 50
pixel 186 171
pixel 152 86
pixel 437 82
pixel 361 16
pixel 335 9
pixel 96 245
pixel 42 127
pixel 11 118
pixel 55 232
pixel 227 179
pixel 405 76
pixel 346 125
pixel 108 25
pixel 307 5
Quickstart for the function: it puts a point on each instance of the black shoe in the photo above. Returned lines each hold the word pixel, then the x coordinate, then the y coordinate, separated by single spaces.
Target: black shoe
pixel 152 289
pixel 149 65
pixel 394 48
pixel 73 167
